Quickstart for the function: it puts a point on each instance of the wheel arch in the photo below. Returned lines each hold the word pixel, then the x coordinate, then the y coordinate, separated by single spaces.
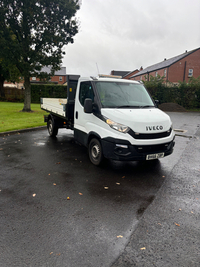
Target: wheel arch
pixel 50 117
pixel 92 135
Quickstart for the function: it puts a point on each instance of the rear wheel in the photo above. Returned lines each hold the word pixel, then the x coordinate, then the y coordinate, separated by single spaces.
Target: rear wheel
pixel 52 129
pixel 95 151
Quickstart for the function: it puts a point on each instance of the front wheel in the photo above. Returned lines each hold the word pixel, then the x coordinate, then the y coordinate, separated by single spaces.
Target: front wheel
pixel 95 151
pixel 52 129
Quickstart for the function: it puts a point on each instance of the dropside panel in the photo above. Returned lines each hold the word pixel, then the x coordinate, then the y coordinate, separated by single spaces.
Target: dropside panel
pixel 54 105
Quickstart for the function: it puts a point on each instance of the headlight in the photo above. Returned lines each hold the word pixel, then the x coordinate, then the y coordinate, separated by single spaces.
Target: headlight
pixel 116 126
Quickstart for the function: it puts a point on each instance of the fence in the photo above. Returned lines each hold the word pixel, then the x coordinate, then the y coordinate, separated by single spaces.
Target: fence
pixel 37 91
pixel 13 94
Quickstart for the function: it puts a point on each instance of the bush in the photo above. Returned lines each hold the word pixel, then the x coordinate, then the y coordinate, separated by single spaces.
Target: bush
pixel 47 90
pixel 184 94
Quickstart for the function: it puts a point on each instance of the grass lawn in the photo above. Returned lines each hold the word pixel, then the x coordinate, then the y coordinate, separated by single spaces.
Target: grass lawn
pixel 12 119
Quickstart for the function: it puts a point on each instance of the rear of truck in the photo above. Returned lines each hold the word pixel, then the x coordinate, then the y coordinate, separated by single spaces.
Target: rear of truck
pixel 61 110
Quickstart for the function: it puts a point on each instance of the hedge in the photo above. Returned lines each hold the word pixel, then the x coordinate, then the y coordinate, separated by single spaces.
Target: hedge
pixel 184 94
pixel 54 91
pixel 37 91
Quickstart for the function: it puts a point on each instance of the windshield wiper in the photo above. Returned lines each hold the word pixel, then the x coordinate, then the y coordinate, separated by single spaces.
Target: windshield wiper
pixel 127 106
pixel 147 106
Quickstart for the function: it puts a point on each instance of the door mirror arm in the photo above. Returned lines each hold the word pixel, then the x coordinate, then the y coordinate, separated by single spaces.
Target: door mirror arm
pixel 157 102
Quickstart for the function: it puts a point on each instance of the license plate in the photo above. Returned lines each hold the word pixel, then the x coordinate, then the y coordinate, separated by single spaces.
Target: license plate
pixel 155 156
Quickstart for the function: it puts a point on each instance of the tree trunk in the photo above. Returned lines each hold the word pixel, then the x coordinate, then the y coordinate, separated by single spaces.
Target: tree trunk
pixel 2 93
pixel 27 95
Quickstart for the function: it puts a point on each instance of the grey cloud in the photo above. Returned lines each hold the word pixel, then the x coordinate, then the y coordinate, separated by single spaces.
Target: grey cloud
pixel 125 34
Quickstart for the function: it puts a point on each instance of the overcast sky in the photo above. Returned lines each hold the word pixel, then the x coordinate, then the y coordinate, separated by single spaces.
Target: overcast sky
pixel 127 34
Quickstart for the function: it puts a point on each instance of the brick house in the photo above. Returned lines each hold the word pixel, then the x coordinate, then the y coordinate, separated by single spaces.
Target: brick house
pixel 130 74
pixel 119 72
pixel 178 68
pixel 60 77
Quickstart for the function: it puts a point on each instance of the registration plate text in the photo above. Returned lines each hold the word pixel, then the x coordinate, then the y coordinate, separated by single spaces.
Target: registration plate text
pixel 155 156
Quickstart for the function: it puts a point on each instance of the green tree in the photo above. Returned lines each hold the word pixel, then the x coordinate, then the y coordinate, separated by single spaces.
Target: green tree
pixel 33 33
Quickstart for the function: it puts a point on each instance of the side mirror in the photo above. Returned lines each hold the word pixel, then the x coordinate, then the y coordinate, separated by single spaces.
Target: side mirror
pixel 157 102
pixel 88 107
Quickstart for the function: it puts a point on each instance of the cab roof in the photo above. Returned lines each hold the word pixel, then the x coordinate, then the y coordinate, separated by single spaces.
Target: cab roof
pixel 107 78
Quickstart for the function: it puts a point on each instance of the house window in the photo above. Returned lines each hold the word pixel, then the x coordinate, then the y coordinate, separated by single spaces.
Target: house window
pixel 165 73
pixel 156 74
pixel 60 79
pixel 140 78
pixel 33 78
pixel 190 73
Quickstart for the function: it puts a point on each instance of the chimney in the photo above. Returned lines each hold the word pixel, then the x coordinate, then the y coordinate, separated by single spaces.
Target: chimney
pixel 165 59
pixel 141 68
pixel 185 51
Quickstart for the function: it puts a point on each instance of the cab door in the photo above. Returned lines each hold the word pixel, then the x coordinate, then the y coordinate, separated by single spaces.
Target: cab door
pixel 82 120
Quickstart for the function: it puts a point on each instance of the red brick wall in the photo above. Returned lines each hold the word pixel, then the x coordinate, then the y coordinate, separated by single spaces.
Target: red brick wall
pixel 175 73
pixel 54 79
pixel 192 61
pixel 131 74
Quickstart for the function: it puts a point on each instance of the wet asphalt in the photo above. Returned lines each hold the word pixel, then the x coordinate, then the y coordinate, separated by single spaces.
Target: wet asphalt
pixel 57 209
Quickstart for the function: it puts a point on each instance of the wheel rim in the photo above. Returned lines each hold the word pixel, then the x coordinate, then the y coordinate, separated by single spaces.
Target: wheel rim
pixel 50 128
pixel 95 151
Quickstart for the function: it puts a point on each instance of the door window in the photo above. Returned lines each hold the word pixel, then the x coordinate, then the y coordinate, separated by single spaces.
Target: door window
pixel 86 91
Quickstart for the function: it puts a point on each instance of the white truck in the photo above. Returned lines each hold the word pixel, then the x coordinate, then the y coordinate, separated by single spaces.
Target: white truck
pixel 113 117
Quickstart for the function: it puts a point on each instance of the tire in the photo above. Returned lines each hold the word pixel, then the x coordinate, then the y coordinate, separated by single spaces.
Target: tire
pixel 95 151
pixel 52 129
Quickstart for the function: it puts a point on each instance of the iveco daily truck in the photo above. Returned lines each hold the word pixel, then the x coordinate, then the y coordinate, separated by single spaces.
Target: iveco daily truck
pixel 113 117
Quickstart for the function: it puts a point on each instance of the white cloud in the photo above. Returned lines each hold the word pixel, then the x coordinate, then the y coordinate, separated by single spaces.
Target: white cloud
pixel 127 34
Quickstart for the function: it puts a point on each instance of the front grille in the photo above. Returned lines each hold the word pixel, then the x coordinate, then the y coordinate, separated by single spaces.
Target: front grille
pixel 149 135
pixel 152 148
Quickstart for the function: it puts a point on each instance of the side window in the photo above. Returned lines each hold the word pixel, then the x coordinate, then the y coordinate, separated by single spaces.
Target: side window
pixel 86 91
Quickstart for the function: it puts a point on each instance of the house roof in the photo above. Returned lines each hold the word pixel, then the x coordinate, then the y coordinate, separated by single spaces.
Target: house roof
pixel 60 72
pixel 119 72
pixel 129 73
pixel 164 64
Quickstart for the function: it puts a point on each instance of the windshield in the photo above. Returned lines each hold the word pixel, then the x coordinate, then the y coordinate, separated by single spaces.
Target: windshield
pixel 123 95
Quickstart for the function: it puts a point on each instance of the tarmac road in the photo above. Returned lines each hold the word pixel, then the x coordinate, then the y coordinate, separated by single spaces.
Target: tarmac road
pixel 110 208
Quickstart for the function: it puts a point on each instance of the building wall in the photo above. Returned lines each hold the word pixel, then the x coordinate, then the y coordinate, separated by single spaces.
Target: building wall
pixel 179 71
pixel 59 79
pixel 14 85
pixel 131 74
pixel 161 72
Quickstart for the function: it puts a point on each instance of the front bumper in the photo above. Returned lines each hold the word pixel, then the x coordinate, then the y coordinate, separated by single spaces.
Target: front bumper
pixel 122 150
